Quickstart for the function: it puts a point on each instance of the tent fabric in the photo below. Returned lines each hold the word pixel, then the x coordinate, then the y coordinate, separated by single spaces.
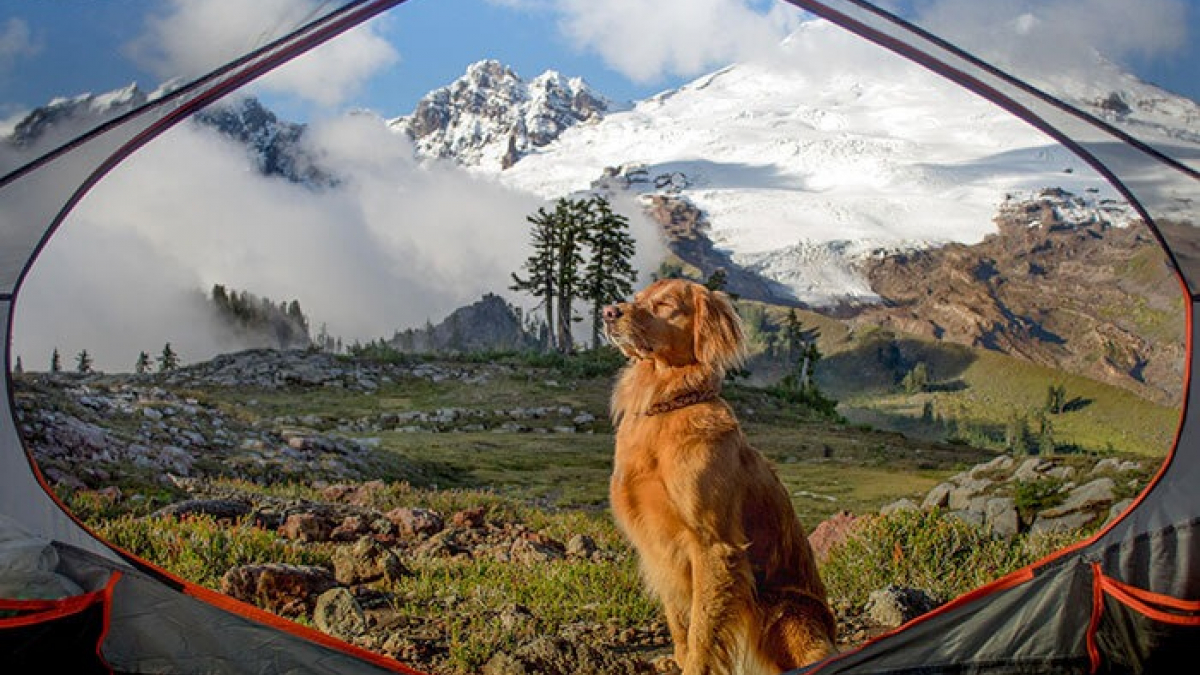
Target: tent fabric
pixel 149 622
pixel 1128 599
pixel 1125 601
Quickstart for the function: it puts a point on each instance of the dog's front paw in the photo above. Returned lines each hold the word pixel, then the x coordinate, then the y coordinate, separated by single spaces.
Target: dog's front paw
pixel 666 665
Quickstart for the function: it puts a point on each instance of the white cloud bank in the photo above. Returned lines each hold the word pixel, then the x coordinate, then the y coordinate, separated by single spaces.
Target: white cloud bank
pixel 397 243
pixel 646 41
pixel 394 245
pixel 188 38
pixel 1063 35
pixel 649 40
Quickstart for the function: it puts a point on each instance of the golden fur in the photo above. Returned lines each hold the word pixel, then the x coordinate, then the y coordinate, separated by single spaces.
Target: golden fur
pixel 714 529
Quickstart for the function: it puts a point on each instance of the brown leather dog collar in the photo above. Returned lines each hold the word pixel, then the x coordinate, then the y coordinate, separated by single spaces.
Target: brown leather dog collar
pixel 682 401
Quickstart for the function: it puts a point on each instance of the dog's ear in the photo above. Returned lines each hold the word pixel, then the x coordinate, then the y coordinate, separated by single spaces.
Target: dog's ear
pixel 718 338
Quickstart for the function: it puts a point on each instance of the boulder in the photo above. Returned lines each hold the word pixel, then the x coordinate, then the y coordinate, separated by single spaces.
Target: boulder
pixel 307 527
pixel 896 605
pixel 1093 495
pixel 416 522
pixel 831 533
pixel 338 613
pixel 367 561
pixel 903 504
pixel 1000 514
pixel 287 590
pixel 938 497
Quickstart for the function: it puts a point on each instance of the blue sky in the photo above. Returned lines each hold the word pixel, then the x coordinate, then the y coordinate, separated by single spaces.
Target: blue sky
pixel 627 49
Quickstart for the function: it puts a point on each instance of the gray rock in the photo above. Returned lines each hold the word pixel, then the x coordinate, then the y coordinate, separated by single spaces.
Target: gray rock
pixel 969 517
pixel 366 561
pixel 938 497
pixel 1030 470
pixel 1093 495
pixel 338 613
pixel 904 504
pixel 896 605
pixel 1117 509
pixel 1000 514
pixel 581 546
pixel 999 463
pixel 558 656
pixel 1064 523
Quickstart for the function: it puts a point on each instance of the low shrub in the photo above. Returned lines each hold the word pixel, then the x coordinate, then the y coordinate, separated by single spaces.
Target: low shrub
pixel 942 555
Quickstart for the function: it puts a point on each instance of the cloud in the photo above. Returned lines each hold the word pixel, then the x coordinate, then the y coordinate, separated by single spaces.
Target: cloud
pixel 192 37
pixel 16 43
pixel 646 41
pixel 397 243
pixel 1038 35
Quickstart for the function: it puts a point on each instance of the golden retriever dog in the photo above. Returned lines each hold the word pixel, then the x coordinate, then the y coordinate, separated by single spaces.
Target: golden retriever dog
pixel 714 528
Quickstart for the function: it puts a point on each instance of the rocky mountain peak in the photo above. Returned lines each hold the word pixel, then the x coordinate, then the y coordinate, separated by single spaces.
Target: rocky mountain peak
pixel 275 145
pixel 63 117
pixel 490 117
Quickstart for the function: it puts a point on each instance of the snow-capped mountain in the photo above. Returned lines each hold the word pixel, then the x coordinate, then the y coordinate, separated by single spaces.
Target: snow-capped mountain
pixel 63 115
pixel 805 163
pixel 275 145
pixel 490 118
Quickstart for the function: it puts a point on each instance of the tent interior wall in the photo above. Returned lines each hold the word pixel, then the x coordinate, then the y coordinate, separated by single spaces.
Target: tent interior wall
pixel 1126 600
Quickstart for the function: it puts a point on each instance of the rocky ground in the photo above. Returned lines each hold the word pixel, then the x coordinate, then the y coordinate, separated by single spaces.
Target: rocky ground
pixel 100 432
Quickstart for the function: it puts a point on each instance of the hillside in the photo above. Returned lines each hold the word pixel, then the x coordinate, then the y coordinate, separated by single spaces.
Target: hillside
pixel 452 513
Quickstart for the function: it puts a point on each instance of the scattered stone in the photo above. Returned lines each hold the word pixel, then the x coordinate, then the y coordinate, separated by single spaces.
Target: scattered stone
pixel 338 613
pixel 581 546
pixel 967 516
pixel 416 522
pixel 306 527
pixel 471 518
pixel 1000 514
pixel 896 605
pixel 1065 523
pixel 1097 493
pixel 1118 508
pixel 558 656
pixel 287 590
pixel 831 533
pixel 221 510
pixel 367 561
pixel 1030 470
pixel 350 529
pixel 535 549
pixel 904 504
pixel 938 497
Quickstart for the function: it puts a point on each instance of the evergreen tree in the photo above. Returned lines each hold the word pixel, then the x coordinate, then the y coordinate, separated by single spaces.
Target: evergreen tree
pixel 1056 399
pixel 55 362
pixel 168 360
pixel 18 369
pixel 581 251
pixel 609 274
pixel 801 350
pixel 83 362
pixel 572 217
pixel 540 267
pixel 142 365
pixel 717 280
pixel 917 379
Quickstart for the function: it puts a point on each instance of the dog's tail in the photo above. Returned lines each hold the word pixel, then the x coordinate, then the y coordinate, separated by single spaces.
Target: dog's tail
pixel 798 628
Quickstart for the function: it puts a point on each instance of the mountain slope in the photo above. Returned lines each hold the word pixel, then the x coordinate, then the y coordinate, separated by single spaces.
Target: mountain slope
pixel 835 151
pixel 490 117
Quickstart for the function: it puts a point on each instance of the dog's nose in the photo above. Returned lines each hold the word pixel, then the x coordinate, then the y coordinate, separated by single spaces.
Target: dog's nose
pixel 612 313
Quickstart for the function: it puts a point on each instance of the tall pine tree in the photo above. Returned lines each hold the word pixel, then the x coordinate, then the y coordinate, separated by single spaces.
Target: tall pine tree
pixel 609 274
pixel 581 251
pixel 540 266
pixel 571 216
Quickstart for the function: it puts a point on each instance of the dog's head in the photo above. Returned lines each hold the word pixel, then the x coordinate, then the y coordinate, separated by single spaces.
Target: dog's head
pixel 677 323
